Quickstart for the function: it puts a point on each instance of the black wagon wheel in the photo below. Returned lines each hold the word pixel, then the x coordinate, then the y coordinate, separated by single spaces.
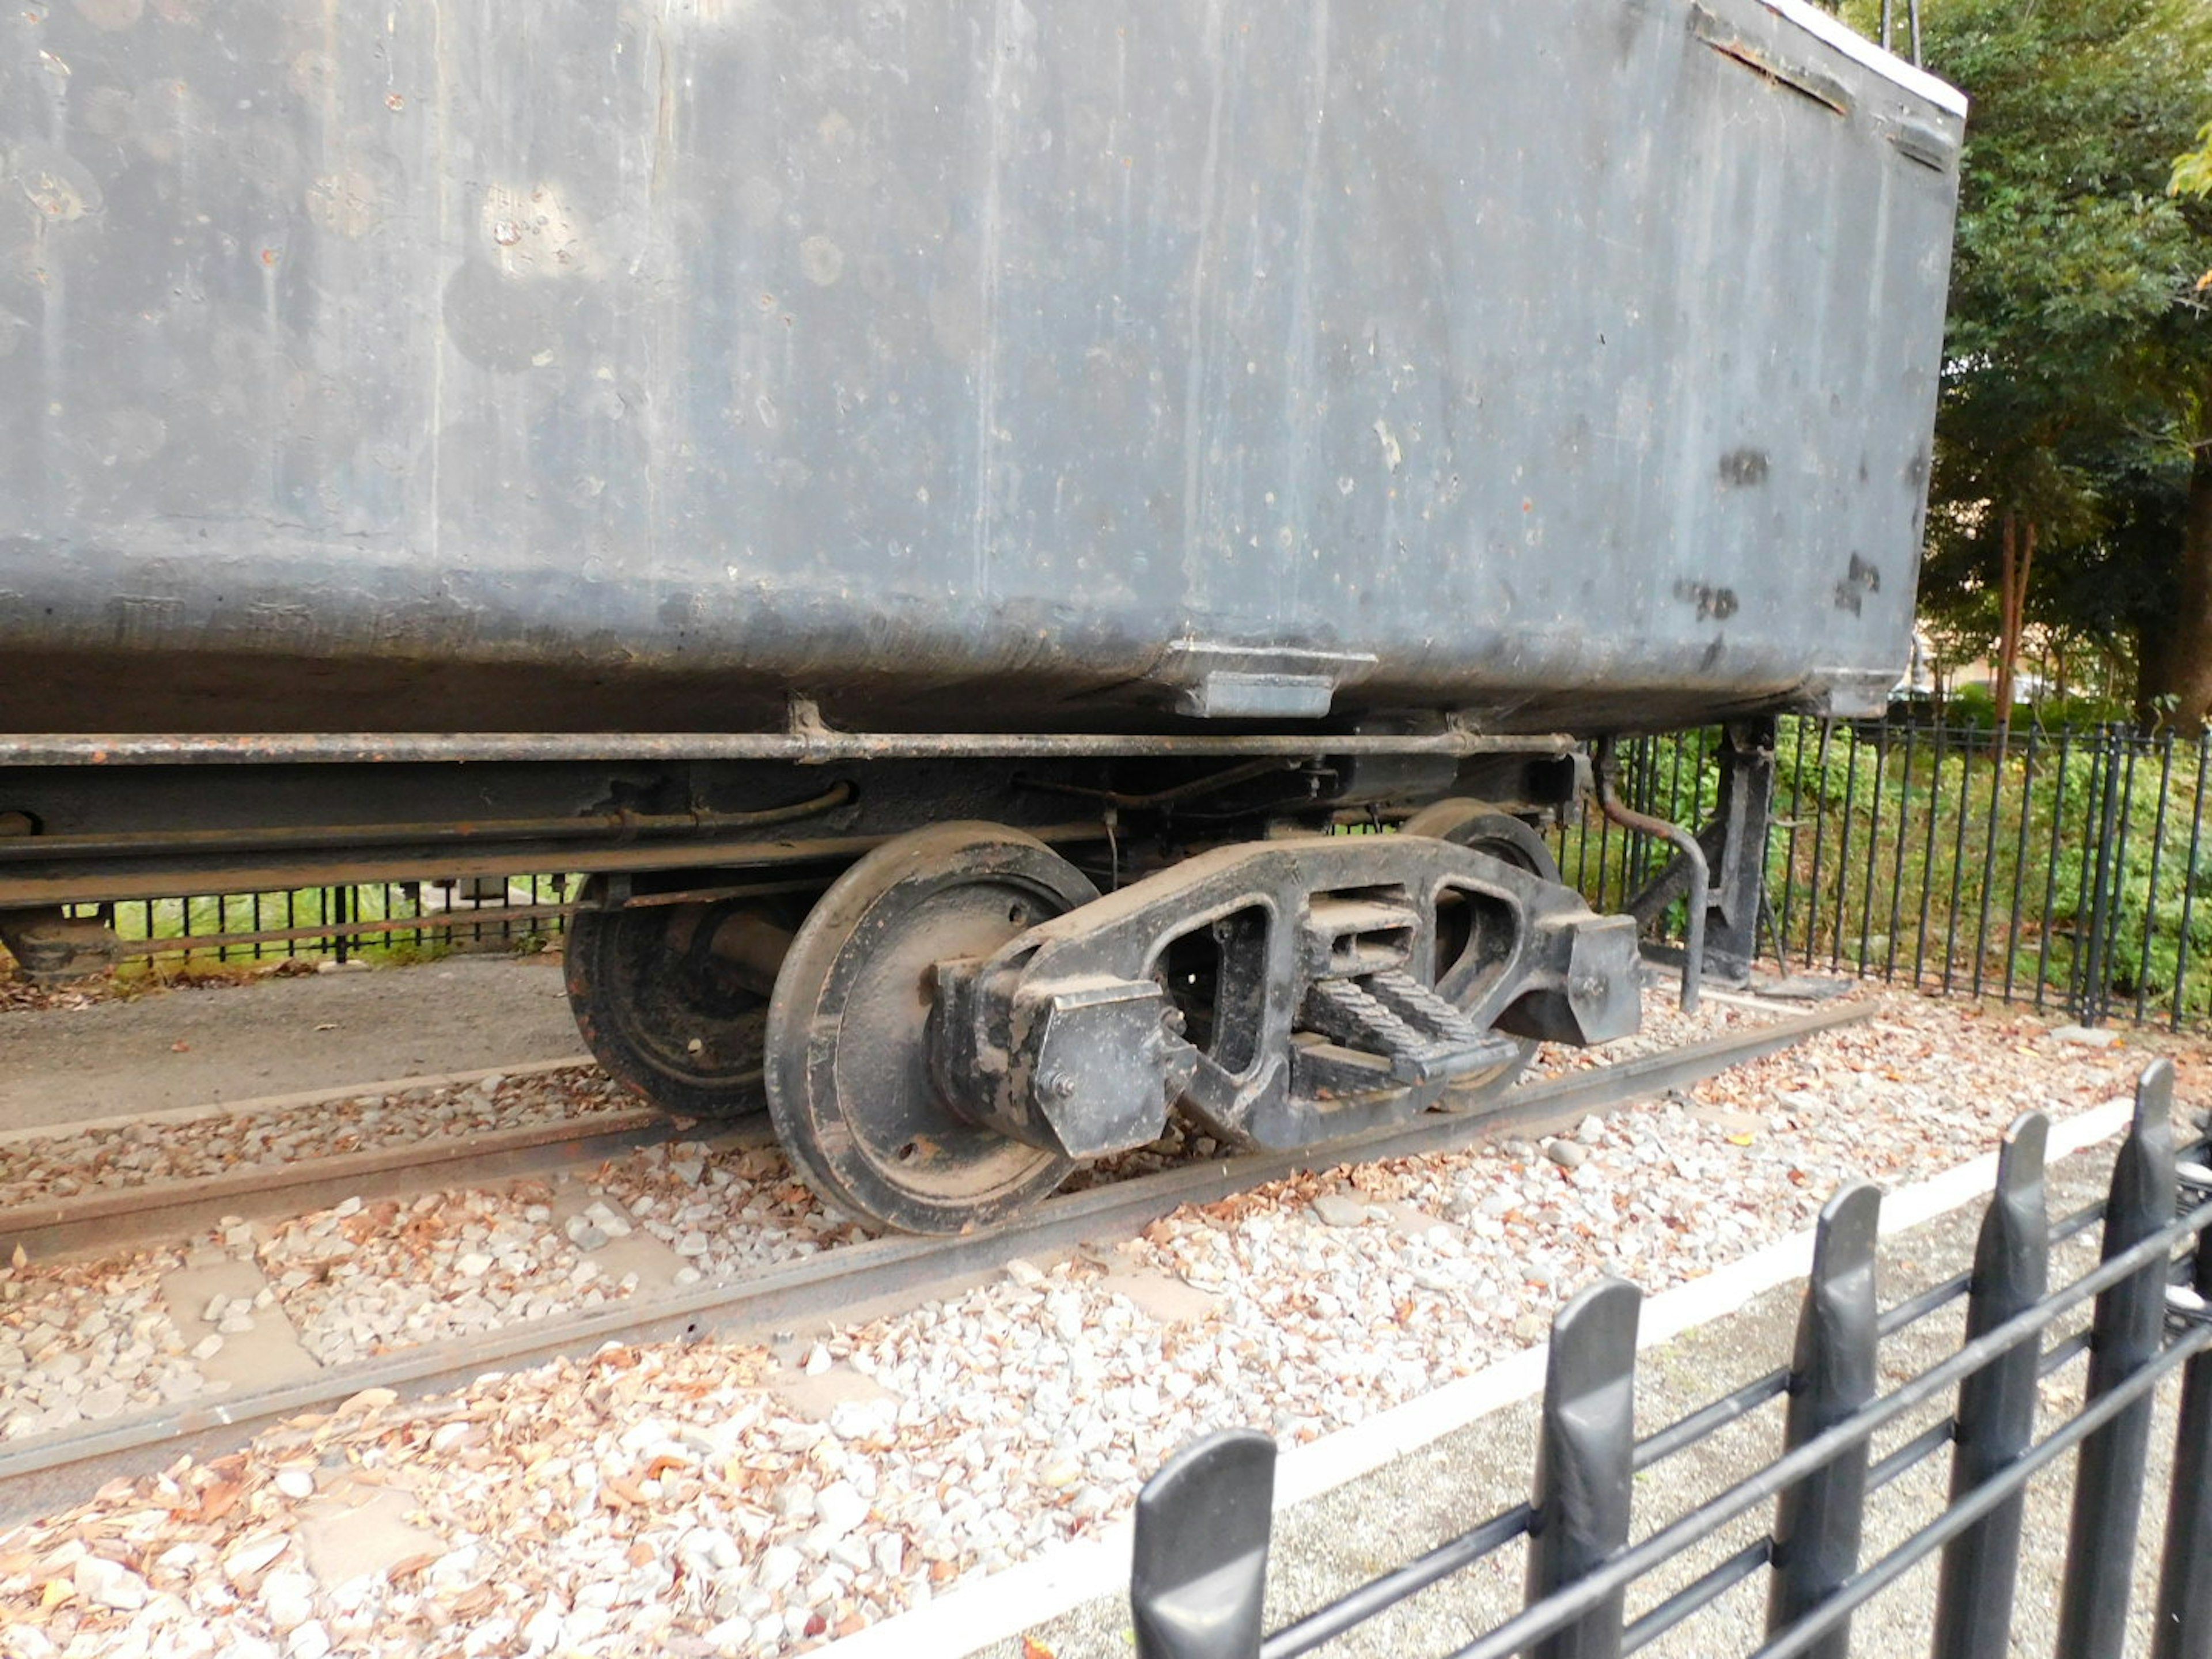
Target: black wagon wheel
pixel 849 1083
pixel 672 998
pixel 1481 828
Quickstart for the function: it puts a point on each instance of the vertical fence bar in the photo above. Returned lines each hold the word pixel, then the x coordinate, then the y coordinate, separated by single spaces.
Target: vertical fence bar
pixel 2051 869
pixel 1843 850
pixel 1873 847
pixel 1997 1404
pixel 1928 853
pixel 2092 999
pixel 1582 849
pixel 1818 1520
pixel 1604 873
pixel 1958 858
pixel 1999 748
pixel 2157 847
pixel 2126 1335
pixel 2088 885
pixel 1642 780
pixel 1820 845
pixel 2182 1628
pixel 1897 872
pixel 1789 851
pixel 2116 892
pixel 2189 882
pixel 1198 1574
pixel 1585 1462
pixel 2019 860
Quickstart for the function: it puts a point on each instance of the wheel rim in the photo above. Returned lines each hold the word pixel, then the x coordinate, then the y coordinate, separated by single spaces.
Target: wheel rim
pixel 662 1013
pixel 848 1074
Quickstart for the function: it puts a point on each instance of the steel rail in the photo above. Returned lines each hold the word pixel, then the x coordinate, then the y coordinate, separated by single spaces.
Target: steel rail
pixel 166 1209
pixel 58 1470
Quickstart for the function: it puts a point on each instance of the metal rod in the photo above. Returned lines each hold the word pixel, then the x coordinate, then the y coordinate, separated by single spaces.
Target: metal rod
pixel 1818 1524
pixel 1325 1624
pixel 2115 897
pixel 1897 869
pixel 1958 858
pixel 1844 851
pixel 1913 1453
pixel 1701 1592
pixel 1813 894
pixel 1998 755
pixel 1693 857
pixel 1874 850
pixel 1996 1405
pixel 1789 850
pixel 1584 1474
pixel 1928 854
pixel 2129 1323
pixel 1686 1432
pixel 2182 1628
pixel 2019 860
pixel 1199 1569
pixel 2188 884
pixel 2157 847
pixel 2051 870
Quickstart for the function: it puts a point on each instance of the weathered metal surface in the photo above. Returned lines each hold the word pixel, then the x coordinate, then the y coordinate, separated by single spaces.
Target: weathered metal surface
pixel 813 747
pixel 1069 1035
pixel 1054 366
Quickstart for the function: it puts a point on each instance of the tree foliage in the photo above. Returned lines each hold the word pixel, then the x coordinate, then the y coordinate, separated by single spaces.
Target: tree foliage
pixel 2078 367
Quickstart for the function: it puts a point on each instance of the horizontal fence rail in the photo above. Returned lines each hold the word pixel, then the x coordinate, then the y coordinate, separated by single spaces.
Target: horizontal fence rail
pixel 2063 870
pixel 1198 1572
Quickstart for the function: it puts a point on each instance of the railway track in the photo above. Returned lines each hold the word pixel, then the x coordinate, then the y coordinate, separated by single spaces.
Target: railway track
pixel 169 1209
pixel 39 1475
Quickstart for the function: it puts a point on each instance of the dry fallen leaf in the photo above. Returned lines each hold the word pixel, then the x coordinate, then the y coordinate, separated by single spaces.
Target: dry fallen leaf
pixel 1033 1649
pixel 408 1566
pixel 219 1499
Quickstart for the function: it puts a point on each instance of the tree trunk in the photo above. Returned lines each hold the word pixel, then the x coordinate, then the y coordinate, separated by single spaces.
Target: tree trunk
pixel 2176 657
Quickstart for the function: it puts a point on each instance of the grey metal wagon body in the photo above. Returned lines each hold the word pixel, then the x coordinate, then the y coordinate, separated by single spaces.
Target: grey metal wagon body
pixel 1049 366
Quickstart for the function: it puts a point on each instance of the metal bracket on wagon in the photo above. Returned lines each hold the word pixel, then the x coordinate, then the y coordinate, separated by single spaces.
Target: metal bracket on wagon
pixel 1286 991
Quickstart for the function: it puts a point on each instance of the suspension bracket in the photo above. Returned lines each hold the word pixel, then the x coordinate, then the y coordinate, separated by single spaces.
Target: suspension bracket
pixel 1284 992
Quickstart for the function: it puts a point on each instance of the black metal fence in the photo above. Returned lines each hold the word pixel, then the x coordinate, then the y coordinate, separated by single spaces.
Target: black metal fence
pixel 2058 869
pixel 386 918
pixel 1203 1522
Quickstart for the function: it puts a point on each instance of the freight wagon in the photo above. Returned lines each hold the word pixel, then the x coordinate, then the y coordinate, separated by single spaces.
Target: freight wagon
pixel 938 512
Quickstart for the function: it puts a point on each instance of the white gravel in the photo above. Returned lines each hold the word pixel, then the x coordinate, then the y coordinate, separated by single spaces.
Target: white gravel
pixel 724 1500
pixel 88 1342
